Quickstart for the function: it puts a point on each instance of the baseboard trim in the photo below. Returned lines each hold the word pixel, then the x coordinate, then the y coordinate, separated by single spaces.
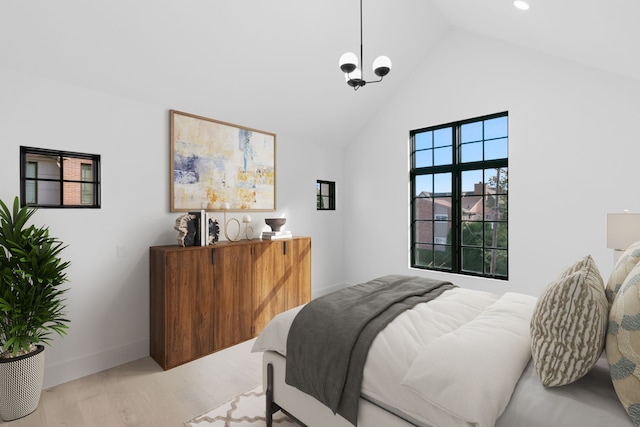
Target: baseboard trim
pixel 77 368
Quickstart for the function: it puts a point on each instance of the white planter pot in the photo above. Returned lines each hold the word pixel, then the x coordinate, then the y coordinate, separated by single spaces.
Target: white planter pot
pixel 21 380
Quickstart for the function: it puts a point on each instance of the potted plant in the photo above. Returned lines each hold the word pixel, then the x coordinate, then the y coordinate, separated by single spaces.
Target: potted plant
pixel 31 307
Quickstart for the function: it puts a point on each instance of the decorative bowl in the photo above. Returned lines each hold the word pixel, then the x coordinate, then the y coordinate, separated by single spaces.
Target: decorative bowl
pixel 275 223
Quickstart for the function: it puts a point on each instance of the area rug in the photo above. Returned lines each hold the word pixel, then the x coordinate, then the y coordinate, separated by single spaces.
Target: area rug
pixel 246 409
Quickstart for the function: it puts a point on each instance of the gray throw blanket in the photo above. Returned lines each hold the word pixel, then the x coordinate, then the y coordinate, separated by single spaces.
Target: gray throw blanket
pixel 329 339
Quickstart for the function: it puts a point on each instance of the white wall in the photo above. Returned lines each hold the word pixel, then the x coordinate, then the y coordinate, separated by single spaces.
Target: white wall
pixel 573 150
pixel 572 155
pixel 108 302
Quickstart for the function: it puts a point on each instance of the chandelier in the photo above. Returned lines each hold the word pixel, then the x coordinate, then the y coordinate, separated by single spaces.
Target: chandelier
pixel 349 65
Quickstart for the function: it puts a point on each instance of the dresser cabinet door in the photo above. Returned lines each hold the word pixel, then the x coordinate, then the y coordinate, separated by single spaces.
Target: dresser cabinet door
pixel 268 283
pixel 297 259
pixel 189 318
pixel 232 299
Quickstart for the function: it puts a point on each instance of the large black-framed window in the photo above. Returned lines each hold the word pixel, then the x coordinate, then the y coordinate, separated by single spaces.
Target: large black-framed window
pixel 59 179
pixel 460 197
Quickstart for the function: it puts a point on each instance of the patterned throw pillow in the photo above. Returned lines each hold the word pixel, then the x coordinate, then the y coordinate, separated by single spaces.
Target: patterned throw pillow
pixel 623 344
pixel 629 258
pixel 569 325
pixel 581 264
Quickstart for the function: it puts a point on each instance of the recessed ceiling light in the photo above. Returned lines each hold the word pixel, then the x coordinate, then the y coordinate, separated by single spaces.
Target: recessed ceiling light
pixel 522 5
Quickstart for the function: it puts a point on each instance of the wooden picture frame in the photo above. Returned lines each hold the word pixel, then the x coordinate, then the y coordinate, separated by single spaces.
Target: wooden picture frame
pixel 214 162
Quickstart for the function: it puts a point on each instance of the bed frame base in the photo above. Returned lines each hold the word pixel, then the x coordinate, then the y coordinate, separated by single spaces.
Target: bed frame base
pixel 271 406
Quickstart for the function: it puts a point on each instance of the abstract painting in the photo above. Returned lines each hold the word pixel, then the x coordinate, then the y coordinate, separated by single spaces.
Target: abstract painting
pixel 214 162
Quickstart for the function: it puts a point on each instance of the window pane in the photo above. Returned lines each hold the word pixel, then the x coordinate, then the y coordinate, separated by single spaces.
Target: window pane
pixel 48 193
pixel 442 184
pixel 496 149
pixel 87 194
pixel 471 132
pixel 72 193
pixel 497 180
pixel 442 257
pixel 472 260
pixel 324 202
pixel 442 156
pixel 471 208
pixel 472 182
pixel 441 231
pixel 87 188
pixel 31 191
pixel 490 233
pixel 72 168
pixel 495 235
pixel 424 158
pixel 495 128
pixel 442 215
pixel 32 170
pixel 424 232
pixel 423 140
pixel 443 137
pixel 471 233
pixel 423 208
pixel 503 207
pixel 48 166
pixel 471 152
pixel 31 187
pixel 423 255
pixel 442 208
pixel 424 184
pixel 496 262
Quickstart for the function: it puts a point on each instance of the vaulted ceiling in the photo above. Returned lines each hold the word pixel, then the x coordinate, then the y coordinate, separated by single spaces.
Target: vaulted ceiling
pixel 277 60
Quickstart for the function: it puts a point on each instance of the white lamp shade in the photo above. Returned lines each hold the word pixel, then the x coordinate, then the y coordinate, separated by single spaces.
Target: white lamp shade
pixel 382 66
pixel 348 62
pixel 623 229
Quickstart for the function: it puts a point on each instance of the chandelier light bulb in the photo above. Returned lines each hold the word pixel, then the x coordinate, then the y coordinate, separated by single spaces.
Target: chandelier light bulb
pixel 354 78
pixel 382 66
pixel 348 62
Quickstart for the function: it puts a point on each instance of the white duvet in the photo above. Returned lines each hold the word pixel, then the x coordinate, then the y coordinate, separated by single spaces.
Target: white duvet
pixel 451 362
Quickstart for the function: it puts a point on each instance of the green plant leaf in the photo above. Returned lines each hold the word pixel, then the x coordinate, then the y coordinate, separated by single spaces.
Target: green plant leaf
pixel 31 275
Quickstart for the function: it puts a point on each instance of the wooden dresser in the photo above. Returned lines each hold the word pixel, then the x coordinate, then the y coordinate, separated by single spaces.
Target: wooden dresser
pixel 204 299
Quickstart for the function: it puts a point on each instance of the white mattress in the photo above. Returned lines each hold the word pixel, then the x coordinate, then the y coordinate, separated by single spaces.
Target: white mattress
pixel 396 348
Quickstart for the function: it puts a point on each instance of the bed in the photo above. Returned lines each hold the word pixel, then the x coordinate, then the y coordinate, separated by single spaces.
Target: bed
pixel 464 358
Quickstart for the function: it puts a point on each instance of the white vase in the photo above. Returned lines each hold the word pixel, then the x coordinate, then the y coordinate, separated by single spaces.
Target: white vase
pixel 21 380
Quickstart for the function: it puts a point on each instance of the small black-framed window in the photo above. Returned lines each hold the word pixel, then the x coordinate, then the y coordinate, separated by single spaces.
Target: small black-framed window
pixel 326 195
pixel 59 179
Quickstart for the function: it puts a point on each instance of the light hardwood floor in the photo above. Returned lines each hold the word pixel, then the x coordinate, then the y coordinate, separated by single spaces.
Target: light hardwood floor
pixel 140 393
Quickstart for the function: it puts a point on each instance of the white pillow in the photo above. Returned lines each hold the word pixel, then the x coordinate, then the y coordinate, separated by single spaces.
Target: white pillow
pixel 471 372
